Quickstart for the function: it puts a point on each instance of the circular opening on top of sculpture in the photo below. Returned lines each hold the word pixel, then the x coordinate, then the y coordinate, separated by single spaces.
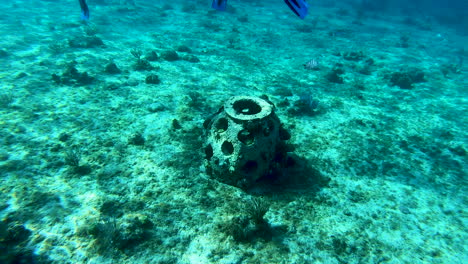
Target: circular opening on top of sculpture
pixel 246 107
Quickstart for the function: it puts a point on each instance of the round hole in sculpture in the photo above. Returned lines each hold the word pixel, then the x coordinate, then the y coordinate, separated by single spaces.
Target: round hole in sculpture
pixel 246 137
pixel 222 125
pixel 246 107
pixel 227 148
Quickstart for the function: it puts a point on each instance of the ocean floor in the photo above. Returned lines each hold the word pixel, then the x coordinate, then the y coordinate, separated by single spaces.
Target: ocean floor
pixel 101 134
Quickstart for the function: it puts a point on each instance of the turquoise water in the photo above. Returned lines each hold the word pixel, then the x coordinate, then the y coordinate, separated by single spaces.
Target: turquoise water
pixel 102 137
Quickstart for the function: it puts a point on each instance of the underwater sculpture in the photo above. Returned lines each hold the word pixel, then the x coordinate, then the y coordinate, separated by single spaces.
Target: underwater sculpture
pixel 245 141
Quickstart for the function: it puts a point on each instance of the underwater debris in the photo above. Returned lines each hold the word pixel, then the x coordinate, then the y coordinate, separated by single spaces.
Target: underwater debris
pixel 136 53
pixel 334 76
pixel 126 232
pixel 250 224
pixel 71 76
pixel 406 79
pixel 73 159
pixel 176 124
pixel 401 80
pixel 141 64
pixel 256 209
pixel 105 233
pixel 170 55
pixel 112 68
pixel 152 56
pixel 152 79
pixel 137 139
pixel 183 48
pixel 191 58
pixel 237 228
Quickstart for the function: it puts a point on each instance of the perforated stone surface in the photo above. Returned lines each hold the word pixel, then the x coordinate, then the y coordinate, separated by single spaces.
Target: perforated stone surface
pixel 242 141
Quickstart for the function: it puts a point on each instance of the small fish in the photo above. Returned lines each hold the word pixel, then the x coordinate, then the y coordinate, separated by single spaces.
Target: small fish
pixel 84 10
pixel 313 64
